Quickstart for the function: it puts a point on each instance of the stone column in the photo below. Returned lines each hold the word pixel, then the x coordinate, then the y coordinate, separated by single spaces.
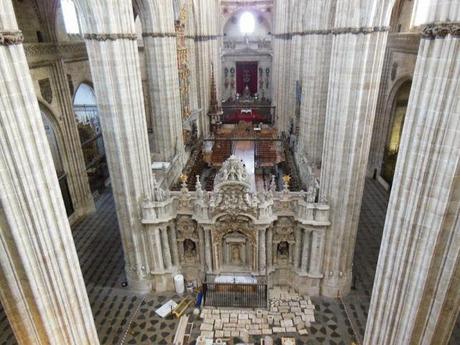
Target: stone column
pixel 42 288
pixel 262 250
pixel 207 249
pixel 158 249
pixel 201 238
pixel 80 192
pixel 157 18
pixel 306 250
pixel 174 249
pixel 316 64
pixel 207 53
pixel 416 291
pixel 358 47
pixel 165 247
pixel 114 60
pixel 279 75
pixel 317 253
pixel 298 241
pixel 270 249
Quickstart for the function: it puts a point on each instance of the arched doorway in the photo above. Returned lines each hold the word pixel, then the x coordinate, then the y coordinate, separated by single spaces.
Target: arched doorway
pixel 53 142
pixel 92 143
pixel 398 114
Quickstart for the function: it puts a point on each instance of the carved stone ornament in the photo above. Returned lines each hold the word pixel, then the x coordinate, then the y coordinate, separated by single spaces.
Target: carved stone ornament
pixel 186 228
pixel 159 34
pixel 335 31
pixel 45 89
pixel 284 230
pixel 231 193
pixel 8 38
pixel 441 30
pixel 112 36
pixel 229 223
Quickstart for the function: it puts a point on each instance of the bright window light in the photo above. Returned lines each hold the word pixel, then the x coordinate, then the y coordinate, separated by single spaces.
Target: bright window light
pixel 247 23
pixel 70 17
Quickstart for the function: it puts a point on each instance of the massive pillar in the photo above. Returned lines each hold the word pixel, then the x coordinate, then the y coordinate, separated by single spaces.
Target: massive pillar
pixel 358 47
pixel 160 49
pixel 281 39
pixel 42 288
pixel 207 52
pixel 78 177
pixel 416 296
pixel 315 79
pixel 114 60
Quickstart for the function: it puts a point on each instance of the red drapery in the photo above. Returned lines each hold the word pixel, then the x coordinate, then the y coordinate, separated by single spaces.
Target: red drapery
pixel 246 74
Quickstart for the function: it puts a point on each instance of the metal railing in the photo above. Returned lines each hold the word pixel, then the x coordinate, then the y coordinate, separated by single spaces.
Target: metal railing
pixel 235 295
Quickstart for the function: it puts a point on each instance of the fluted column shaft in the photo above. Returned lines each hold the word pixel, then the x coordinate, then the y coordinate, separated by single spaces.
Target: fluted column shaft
pixel 80 192
pixel 305 250
pixel 298 248
pixel 416 296
pixel 270 249
pixel 174 249
pixel 158 249
pixel 262 250
pixel 208 250
pixel 42 289
pixel 114 60
pixel 207 53
pixel 317 253
pixel 315 77
pixel 356 64
pixel 166 248
pixel 160 50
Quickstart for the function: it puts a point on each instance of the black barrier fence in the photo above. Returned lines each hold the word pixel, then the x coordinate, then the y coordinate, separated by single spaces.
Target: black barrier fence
pixel 235 295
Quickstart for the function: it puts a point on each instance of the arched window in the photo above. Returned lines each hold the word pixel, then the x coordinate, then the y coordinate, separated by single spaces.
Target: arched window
pixel 89 129
pixel 247 23
pixel 69 13
pixel 398 115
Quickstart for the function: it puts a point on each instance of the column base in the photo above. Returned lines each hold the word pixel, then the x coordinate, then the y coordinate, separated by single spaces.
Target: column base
pixel 335 286
pixel 142 286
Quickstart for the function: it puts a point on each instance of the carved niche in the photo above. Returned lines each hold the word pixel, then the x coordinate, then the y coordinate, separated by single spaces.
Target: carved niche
pixel 187 240
pixel 283 230
pixel 45 89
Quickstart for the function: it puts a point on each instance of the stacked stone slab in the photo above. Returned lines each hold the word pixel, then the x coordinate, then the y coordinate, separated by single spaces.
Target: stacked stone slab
pixel 288 312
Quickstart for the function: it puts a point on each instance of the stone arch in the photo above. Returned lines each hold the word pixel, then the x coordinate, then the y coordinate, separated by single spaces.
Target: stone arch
pixel 90 132
pixel 394 121
pixel 57 148
pixel 262 21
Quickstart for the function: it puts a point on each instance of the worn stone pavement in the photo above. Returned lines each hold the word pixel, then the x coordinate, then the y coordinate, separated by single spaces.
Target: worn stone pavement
pixel 123 317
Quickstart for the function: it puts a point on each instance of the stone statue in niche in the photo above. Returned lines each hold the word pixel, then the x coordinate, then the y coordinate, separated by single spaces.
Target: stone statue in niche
pixel 236 254
pixel 189 251
pixel 283 250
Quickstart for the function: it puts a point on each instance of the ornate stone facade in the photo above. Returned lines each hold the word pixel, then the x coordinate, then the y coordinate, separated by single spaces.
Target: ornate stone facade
pixel 233 230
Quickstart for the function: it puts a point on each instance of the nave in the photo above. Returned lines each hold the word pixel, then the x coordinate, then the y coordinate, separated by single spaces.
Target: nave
pixel 123 317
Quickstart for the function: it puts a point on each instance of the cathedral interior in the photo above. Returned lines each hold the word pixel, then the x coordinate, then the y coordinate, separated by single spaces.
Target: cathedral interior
pixel 230 172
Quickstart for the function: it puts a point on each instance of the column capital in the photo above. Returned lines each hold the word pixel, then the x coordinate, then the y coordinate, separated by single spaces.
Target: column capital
pixel 8 38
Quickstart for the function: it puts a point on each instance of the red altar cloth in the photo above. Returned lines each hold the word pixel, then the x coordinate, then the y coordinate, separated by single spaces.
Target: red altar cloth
pixel 237 116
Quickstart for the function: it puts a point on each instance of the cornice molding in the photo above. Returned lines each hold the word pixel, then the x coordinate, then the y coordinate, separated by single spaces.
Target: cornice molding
pixel 335 31
pixel 159 34
pixel 8 38
pixel 111 36
pixel 441 30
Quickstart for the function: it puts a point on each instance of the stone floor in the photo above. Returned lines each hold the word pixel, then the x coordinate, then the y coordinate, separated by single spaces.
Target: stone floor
pixel 125 318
